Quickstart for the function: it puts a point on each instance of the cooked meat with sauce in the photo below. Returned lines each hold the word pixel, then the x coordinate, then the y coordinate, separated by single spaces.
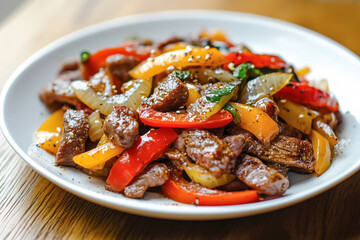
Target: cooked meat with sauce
pixel 59 92
pixel 74 136
pixel 288 151
pixel 257 175
pixel 169 95
pixel 207 150
pixel 152 176
pixel 287 130
pixel 121 126
pixel 120 65
pixel 194 116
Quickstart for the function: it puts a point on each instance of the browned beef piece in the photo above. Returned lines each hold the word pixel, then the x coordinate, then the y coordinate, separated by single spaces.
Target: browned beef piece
pixel 121 126
pixel 278 167
pixel 177 158
pixel 268 106
pixel 58 92
pixel 75 133
pixel 120 65
pixel 287 130
pixel 169 41
pixel 207 150
pixel 288 151
pixel 236 143
pixel 258 176
pixel 152 176
pixel 169 95
pixel 235 185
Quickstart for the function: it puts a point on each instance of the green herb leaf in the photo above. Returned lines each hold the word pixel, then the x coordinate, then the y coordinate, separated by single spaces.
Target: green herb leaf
pixel 85 56
pixel 245 72
pixel 182 75
pixel 234 112
pixel 215 95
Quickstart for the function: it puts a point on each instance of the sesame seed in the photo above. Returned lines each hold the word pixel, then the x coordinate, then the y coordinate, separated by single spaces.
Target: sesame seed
pixel 96 121
pixel 207 47
pixel 207 57
pixel 89 84
pixel 191 59
pixel 58 129
pixel 198 57
pixel 177 111
pixel 231 66
pixel 113 86
pixel 98 93
pixel 301 115
pixel 188 48
pixel 152 51
pixel 71 134
pixel 197 201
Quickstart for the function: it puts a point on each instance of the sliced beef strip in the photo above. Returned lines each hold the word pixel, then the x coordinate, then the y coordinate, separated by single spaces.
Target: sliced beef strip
pixel 58 92
pixel 235 185
pixel 120 65
pixel 74 136
pixel 236 143
pixel 177 158
pixel 268 106
pixel 207 150
pixel 287 130
pixel 169 41
pixel 121 126
pixel 169 95
pixel 278 167
pixel 258 176
pixel 152 176
pixel 294 153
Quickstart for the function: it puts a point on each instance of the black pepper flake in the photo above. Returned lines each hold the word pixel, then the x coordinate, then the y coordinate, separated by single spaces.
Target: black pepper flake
pixel 185 54
pixel 309 114
pixel 54 145
pixel 302 91
pixel 290 84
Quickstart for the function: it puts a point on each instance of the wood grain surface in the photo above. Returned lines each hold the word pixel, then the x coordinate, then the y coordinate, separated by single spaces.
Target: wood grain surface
pixel 31 207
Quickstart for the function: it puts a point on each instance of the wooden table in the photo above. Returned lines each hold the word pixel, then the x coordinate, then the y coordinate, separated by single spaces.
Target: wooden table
pixel 34 208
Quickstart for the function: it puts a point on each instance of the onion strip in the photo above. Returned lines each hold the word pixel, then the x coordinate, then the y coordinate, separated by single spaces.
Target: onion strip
pixel 131 98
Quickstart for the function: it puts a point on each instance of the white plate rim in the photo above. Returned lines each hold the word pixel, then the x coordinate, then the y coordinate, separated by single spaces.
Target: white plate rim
pixel 149 209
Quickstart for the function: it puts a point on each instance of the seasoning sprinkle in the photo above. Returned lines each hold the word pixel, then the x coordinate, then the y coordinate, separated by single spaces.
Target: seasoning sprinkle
pixel 231 66
pixel 207 47
pixel 207 57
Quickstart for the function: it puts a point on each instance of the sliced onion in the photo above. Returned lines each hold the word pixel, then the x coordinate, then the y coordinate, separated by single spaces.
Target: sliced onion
pixel 131 98
pixel 206 75
pixel 95 130
pixel 264 86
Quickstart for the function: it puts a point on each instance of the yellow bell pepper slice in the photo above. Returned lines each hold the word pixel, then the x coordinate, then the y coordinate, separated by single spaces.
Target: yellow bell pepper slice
pixel 95 158
pixel 175 46
pixel 192 57
pixel 193 94
pixel 322 152
pixel 204 177
pixel 297 115
pixel 214 35
pixel 48 136
pixel 257 122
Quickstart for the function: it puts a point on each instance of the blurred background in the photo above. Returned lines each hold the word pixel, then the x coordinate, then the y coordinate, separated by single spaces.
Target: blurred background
pixel 28 25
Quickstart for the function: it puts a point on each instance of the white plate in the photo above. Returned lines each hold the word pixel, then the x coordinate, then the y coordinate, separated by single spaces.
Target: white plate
pixel 22 111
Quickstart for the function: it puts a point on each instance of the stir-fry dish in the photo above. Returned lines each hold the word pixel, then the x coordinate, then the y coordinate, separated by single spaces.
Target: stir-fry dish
pixel 203 120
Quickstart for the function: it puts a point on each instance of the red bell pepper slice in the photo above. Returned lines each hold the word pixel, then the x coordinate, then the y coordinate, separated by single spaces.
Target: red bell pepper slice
pixel 146 149
pixel 185 192
pixel 259 60
pixel 155 118
pixel 98 59
pixel 305 94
